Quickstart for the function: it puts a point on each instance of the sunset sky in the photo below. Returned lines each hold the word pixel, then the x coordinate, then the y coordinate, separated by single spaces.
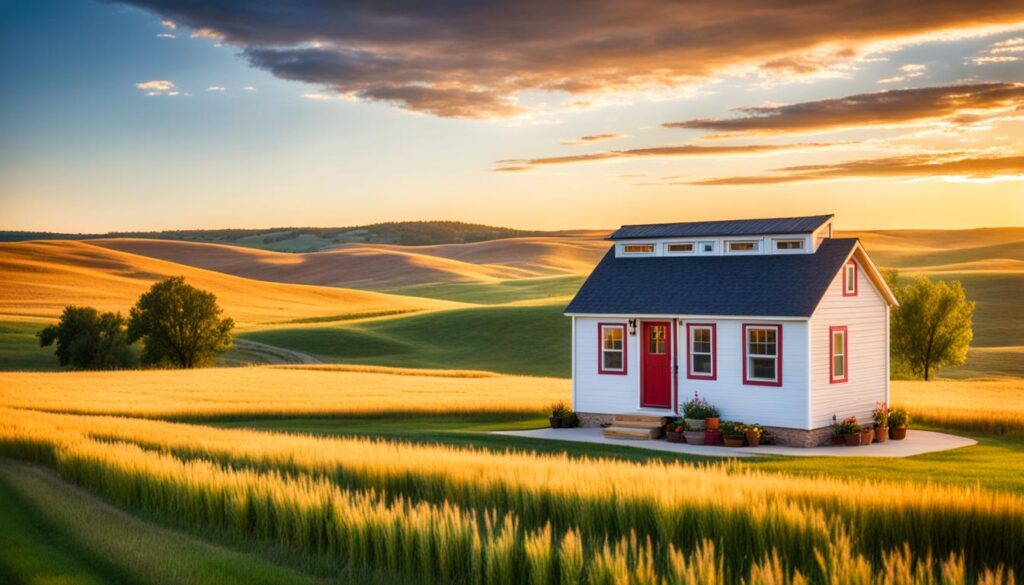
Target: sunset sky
pixel 165 114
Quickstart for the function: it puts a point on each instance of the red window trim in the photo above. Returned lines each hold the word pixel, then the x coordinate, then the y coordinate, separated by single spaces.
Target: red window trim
pixel 856 271
pixel 778 351
pixel 714 352
pixel 832 358
pixel 600 350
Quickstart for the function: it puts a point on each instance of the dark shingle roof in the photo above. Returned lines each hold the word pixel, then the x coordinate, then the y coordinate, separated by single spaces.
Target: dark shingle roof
pixel 783 285
pixel 734 227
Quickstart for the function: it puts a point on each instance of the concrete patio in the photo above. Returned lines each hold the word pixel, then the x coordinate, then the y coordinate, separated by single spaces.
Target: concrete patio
pixel 916 443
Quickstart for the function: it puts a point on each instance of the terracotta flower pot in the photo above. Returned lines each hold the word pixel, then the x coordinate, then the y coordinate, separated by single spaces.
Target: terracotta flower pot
pixel 694 437
pixel 852 439
pixel 734 440
pixel 711 423
pixel 555 422
pixel 838 440
pixel 898 433
pixel 696 424
pixel 753 439
pixel 866 436
pixel 881 434
pixel 673 437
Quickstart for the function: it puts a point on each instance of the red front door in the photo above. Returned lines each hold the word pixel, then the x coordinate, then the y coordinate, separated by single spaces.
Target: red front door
pixel 656 369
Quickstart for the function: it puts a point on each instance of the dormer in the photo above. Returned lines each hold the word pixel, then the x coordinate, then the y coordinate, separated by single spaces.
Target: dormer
pixel 742 237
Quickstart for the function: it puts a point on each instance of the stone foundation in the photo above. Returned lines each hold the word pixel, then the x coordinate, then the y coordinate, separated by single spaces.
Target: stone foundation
pixel 591 419
pixel 800 437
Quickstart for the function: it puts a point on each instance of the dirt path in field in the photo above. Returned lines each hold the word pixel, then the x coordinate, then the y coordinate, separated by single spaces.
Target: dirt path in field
pixel 276 355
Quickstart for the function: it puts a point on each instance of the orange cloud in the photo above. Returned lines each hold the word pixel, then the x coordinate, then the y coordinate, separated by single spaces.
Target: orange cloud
pixel 590 138
pixel 915 166
pixel 884 108
pixel 685 150
pixel 473 59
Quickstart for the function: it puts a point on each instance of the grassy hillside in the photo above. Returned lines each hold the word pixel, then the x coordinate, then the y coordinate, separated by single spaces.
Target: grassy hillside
pixel 532 340
pixel 309 239
pixel 41 278
pixel 386 266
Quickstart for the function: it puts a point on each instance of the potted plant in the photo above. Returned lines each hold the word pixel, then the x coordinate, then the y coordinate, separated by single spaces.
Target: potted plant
pixel 849 429
pixel 837 436
pixel 753 434
pixel 570 420
pixel 867 434
pixel 899 420
pixel 881 418
pixel 674 430
pixel 699 414
pixel 693 436
pixel 558 411
pixel 732 434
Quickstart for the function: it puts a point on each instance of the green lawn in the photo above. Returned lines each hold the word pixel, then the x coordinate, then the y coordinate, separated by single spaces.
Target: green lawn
pixel 531 340
pixel 503 292
pixel 54 533
pixel 19 348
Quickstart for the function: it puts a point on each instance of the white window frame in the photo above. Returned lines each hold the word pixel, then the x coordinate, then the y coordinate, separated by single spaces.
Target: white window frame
pixel 669 251
pixel 850 279
pixel 801 241
pixel 626 249
pixel 601 369
pixel 731 243
pixel 690 352
pixel 748 356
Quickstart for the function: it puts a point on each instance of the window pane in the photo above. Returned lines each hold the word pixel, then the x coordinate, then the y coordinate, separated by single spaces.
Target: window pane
pixel 790 245
pixel 838 366
pixel 612 337
pixel 701 364
pixel 613 360
pixel 743 246
pixel 638 248
pixel 680 247
pixel 763 368
pixel 837 343
pixel 762 341
pixel 851 278
pixel 656 339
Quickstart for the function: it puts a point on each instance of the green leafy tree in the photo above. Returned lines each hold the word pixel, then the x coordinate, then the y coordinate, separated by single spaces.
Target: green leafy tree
pixel 932 327
pixel 180 325
pixel 89 340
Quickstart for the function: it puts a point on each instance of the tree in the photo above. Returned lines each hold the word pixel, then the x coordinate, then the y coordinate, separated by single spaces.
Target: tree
pixel 89 340
pixel 180 325
pixel 932 327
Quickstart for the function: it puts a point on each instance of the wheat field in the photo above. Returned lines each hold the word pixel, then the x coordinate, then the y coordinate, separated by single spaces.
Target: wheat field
pixel 441 514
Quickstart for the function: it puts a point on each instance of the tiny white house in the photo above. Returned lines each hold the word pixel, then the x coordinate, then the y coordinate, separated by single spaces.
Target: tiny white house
pixel 773 321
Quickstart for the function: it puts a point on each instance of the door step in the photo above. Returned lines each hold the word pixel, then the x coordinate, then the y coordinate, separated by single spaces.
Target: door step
pixel 635 426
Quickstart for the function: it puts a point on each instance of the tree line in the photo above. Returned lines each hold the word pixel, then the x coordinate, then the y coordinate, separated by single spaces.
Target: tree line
pixel 177 324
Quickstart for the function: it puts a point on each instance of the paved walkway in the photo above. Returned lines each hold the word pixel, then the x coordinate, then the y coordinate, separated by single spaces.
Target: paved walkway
pixel 916 443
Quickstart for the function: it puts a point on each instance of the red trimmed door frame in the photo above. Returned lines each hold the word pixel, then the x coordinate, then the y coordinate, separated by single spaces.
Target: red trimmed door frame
pixel 656 365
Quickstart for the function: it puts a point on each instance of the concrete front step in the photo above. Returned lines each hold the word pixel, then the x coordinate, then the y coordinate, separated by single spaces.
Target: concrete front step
pixel 638 424
pixel 616 432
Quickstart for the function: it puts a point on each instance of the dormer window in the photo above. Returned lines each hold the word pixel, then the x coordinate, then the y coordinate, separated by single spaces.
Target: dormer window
pixel 638 249
pixel 789 245
pixel 681 248
pixel 750 246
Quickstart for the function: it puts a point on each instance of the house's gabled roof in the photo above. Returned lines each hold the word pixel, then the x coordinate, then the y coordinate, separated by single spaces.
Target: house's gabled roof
pixel 774 285
pixel 735 227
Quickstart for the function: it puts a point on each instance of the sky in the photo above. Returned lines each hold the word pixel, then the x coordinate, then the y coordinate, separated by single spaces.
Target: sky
pixel 189 114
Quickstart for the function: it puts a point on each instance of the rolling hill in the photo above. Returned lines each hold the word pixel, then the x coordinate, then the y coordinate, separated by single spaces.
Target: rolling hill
pixel 380 266
pixel 37 279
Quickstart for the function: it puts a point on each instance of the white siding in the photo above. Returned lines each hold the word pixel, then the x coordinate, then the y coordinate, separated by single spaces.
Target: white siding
pixel 865 317
pixel 782 406
pixel 603 393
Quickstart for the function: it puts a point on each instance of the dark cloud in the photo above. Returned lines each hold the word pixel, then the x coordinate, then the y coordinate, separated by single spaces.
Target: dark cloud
pixel 915 166
pixel 471 59
pixel 686 150
pixel 956 104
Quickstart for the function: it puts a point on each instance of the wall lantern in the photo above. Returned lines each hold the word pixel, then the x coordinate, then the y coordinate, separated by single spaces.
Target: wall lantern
pixel 632 326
